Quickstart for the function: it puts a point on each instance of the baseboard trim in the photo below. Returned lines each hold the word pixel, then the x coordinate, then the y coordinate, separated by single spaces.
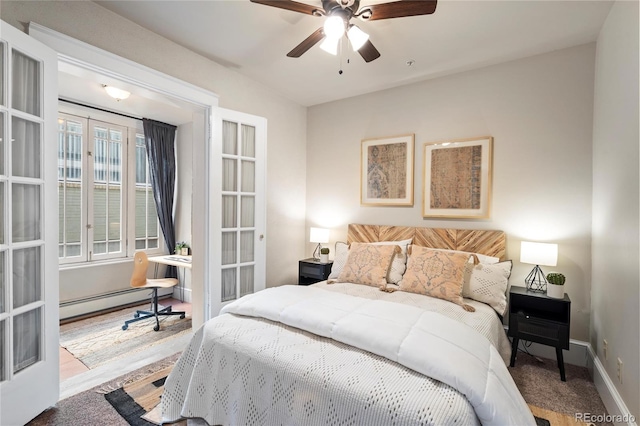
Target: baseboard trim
pixel 182 294
pixel 613 402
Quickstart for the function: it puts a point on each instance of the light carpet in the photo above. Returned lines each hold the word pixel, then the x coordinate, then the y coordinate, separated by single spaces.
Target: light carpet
pixel 95 341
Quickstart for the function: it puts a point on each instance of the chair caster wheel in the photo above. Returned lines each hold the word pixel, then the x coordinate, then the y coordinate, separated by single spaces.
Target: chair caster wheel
pixel 136 315
pixel 124 327
pixel 156 327
pixel 182 316
pixel 169 308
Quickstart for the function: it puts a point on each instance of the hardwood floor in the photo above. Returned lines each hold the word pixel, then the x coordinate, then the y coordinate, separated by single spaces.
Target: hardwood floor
pixel 75 377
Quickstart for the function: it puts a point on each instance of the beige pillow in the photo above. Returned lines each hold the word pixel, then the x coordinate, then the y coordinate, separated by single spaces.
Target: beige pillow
pixel 488 284
pixel 368 264
pixel 436 273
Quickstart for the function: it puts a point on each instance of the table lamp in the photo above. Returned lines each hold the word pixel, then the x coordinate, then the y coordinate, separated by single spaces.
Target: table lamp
pixel 538 254
pixel 318 235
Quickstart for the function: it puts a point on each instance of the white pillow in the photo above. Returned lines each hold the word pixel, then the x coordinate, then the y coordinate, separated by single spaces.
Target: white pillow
pixel 339 260
pixel 487 283
pixel 398 265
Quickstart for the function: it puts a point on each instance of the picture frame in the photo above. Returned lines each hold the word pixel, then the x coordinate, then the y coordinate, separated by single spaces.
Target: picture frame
pixel 386 171
pixel 457 178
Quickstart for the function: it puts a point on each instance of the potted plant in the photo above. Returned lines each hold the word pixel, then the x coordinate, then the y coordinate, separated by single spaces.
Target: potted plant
pixel 324 255
pixel 555 288
pixel 182 248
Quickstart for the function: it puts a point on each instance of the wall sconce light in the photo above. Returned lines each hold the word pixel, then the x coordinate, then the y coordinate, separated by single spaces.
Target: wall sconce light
pixel 538 254
pixel 115 93
pixel 320 236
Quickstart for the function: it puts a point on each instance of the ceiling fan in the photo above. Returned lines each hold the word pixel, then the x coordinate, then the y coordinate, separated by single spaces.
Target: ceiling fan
pixel 338 13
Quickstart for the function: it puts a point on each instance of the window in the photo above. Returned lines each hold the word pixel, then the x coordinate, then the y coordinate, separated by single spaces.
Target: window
pixel 104 202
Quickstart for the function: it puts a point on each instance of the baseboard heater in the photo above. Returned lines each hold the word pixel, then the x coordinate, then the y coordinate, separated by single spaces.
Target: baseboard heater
pixel 104 301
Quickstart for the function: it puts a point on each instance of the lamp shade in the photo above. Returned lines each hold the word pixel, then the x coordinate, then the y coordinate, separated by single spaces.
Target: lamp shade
pixel 357 37
pixel 319 235
pixel 330 45
pixel 539 253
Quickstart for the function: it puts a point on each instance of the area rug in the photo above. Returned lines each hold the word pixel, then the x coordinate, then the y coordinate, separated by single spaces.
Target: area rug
pixel 101 339
pixel 133 399
pixel 91 407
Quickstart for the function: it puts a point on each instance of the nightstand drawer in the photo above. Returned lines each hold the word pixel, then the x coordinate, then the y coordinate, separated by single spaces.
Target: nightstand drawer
pixel 540 330
pixel 311 271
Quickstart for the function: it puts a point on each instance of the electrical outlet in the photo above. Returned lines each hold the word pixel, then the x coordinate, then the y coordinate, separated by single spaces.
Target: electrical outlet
pixel 620 370
pixel 605 348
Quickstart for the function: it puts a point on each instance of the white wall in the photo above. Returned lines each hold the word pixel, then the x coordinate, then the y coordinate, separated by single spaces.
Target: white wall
pixel 615 292
pixel 286 136
pixel 539 111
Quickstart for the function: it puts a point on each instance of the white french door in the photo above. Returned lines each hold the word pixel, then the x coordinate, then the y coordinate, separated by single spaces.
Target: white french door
pixel 238 210
pixel 28 228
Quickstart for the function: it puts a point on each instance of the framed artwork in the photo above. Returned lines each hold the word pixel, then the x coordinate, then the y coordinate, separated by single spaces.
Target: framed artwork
pixel 457 178
pixel 386 171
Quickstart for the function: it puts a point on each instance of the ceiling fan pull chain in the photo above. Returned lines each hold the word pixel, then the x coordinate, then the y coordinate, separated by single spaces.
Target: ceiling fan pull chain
pixel 341 50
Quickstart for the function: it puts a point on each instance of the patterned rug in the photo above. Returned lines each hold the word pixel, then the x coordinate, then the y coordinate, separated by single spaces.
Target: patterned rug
pixel 101 339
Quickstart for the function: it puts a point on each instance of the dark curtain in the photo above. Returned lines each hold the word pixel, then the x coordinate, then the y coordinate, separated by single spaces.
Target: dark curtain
pixel 159 139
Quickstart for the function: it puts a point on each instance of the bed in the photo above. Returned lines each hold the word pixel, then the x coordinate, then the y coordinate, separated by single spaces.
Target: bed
pixel 344 353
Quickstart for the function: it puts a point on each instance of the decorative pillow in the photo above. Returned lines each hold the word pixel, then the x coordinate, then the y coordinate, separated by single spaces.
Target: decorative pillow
pixel 436 273
pixel 339 260
pixel 483 258
pixel 368 264
pixel 399 263
pixel 488 284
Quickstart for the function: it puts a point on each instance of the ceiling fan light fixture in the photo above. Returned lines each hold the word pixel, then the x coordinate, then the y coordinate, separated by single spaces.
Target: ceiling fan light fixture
pixel 330 45
pixel 115 93
pixel 357 37
pixel 334 27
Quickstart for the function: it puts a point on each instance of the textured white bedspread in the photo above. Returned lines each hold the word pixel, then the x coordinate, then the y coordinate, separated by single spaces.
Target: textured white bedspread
pixel 240 370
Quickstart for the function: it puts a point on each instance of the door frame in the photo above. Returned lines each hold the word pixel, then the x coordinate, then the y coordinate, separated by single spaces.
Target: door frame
pixel 124 72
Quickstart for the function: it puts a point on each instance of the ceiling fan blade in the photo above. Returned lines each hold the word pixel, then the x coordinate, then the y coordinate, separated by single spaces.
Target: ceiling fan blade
pixel 307 43
pixel 400 9
pixel 368 52
pixel 292 5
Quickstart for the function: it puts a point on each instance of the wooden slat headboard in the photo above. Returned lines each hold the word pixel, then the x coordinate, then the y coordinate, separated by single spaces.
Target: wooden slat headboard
pixel 490 243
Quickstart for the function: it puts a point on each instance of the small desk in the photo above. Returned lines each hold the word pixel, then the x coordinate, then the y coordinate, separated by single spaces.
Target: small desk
pixel 172 260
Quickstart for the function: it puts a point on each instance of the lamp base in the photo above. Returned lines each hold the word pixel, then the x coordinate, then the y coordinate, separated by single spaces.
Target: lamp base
pixel 536 280
pixel 316 252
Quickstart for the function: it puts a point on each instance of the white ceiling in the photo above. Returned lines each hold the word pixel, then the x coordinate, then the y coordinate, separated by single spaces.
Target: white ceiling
pixel 461 35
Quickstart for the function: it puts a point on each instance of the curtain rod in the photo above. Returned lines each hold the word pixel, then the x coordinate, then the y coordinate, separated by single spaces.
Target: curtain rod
pixel 98 109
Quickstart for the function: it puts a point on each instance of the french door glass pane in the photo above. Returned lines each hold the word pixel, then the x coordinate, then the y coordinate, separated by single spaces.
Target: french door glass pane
pixel 26 149
pixel 248 141
pixel 229 250
pixel 26 212
pixel 2 91
pixel 27 329
pixel 152 215
pixel 229 175
pixel 2 212
pixel 107 193
pixel 229 138
pixel 2 137
pixel 228 284
pixel 248 176
pixel 3 344
pixel 246 280
pixel 3 282
pixel 229 211
pixel 247 211
pixel 27 276
pixel 26 83
pixel 246 246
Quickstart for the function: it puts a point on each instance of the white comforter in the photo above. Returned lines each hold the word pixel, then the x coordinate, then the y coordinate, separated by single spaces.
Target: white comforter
pixel 232 373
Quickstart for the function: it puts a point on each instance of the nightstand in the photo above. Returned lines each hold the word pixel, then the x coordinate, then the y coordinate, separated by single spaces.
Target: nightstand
pixel 536 317
pixel 312 271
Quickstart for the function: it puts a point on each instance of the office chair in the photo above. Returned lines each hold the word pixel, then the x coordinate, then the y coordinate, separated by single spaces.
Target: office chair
pixel 139 280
